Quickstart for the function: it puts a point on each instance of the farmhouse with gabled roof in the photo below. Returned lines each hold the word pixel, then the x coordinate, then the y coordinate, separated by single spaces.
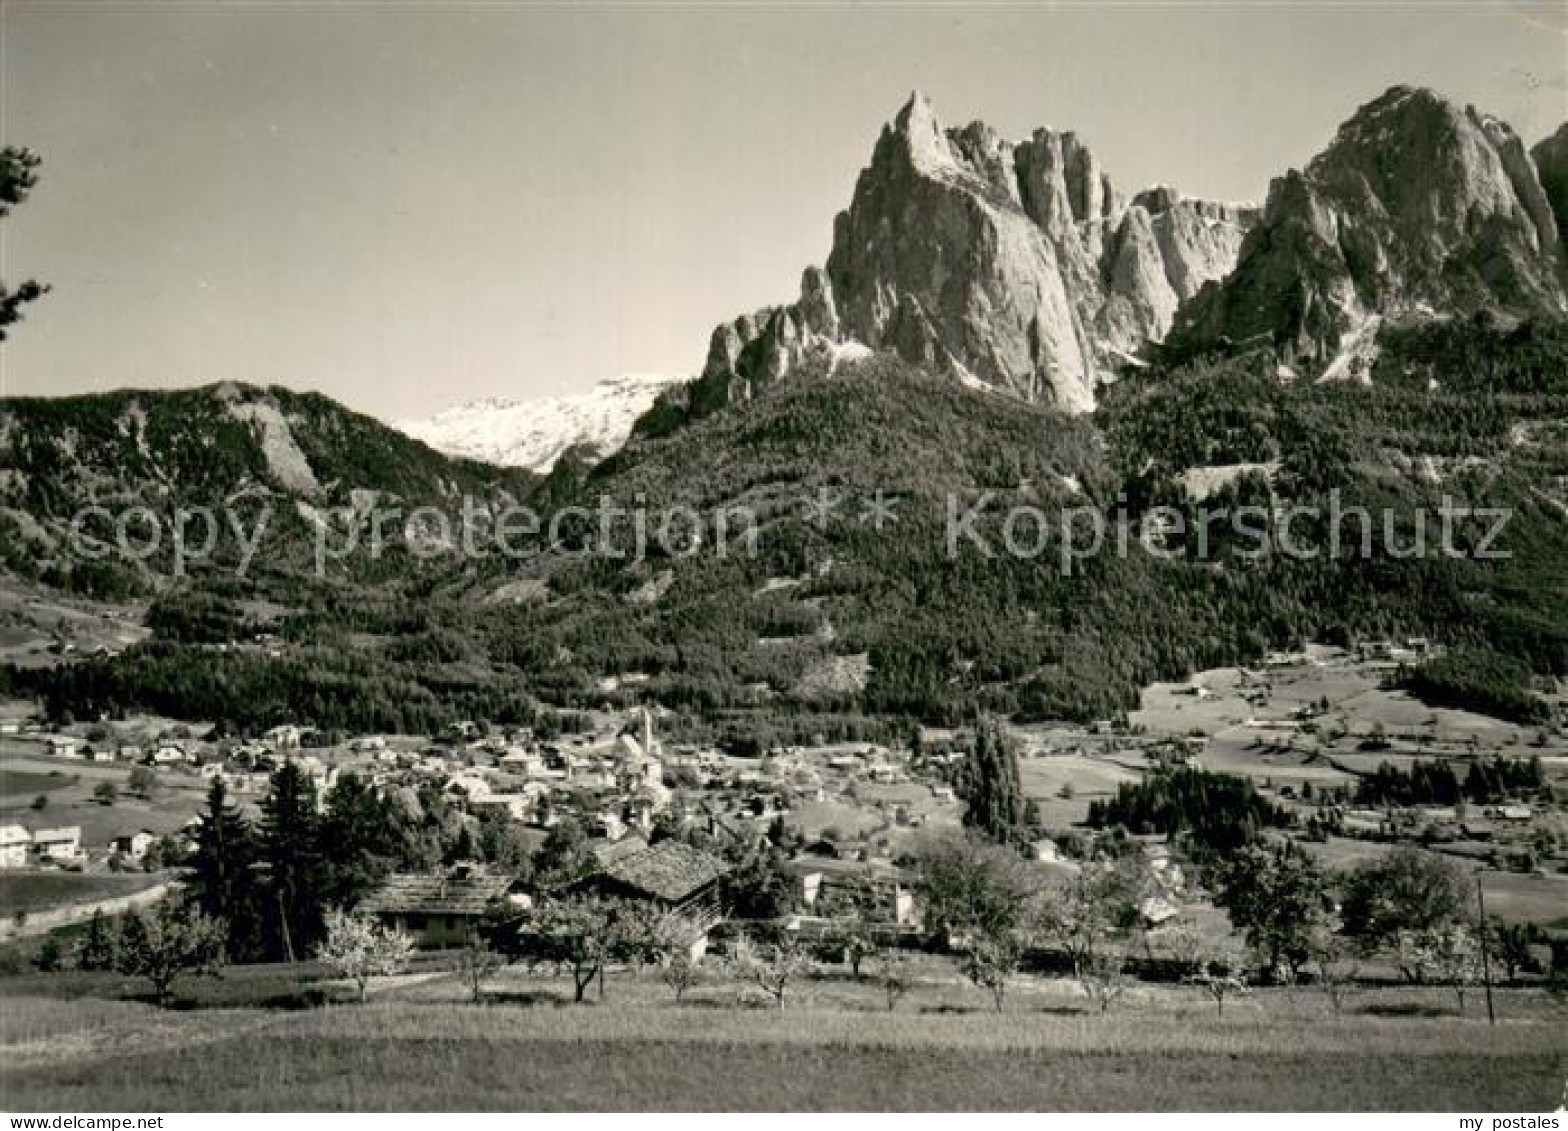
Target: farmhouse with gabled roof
pixel 671 874
pixel 438 909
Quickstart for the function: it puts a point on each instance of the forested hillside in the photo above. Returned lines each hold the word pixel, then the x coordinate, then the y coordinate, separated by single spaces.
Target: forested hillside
pixel 229 444
pixel 839 620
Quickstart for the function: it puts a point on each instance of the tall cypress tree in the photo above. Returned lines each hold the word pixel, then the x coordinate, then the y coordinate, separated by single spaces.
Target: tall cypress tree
pixel 222 873
pixel 294 865
pixel 994 802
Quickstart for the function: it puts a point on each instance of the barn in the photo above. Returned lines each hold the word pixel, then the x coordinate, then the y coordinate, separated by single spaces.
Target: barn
pixel 438 909
pixel 672 875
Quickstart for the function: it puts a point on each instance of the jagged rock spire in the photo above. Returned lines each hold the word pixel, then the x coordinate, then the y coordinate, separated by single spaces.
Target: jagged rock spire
pixel 1014 266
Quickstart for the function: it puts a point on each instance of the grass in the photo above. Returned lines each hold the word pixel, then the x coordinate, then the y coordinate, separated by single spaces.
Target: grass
pixel 1525 898
pixel 17 783
pixel 31 892
pixel 176 800
pixel 419 1046
pixel 402 1056
pixel 1042 779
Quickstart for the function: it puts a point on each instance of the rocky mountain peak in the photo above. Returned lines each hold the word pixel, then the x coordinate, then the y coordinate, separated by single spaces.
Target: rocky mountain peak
pixel 919 137
pixel 1416 207
pixel 1016 266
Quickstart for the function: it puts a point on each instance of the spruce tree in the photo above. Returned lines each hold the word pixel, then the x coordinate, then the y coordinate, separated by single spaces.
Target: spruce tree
pixel 222 873
pixel 99 945
pixel 18 174
pixel 366 837
pixel 295 892
pixel 994 802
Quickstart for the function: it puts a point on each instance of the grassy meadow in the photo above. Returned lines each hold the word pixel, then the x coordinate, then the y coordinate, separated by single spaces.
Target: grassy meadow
pixel 25 893
pixel 419 1043
pixel 28 772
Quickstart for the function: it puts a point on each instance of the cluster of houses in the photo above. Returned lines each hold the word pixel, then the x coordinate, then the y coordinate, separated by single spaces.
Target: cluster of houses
pixel 244 767
pixel 176 750
pixel 444 908
pixel 620 784
pixel 617 782
pixel 22 848
pixel 1409 650
pixel 62 847
pixel 617 786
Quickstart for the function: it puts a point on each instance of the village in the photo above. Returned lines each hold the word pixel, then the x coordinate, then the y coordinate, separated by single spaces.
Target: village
pixel 619 782
pixel 606 856
pixel 100 798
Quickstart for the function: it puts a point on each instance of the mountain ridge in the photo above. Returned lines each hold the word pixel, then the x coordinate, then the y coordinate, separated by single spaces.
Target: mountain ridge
pixel 1019 267
pixel 93 459
pixel 836 613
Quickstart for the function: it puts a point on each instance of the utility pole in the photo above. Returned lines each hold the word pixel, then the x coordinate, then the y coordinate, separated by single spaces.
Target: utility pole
pixel 1486 953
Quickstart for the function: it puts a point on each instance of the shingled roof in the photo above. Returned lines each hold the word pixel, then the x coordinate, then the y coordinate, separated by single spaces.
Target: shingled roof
pixel 463 890
pixel 612 850
pixel 671 870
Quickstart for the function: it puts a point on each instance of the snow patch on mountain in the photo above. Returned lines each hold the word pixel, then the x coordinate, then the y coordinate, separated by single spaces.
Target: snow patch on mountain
pixel 534 433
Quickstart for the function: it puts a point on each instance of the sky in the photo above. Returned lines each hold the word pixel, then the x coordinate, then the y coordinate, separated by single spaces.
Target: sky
pixel 408 206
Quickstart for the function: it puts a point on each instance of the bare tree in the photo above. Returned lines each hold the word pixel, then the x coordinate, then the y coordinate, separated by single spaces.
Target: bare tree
pixel 895 973
pixel 1105 977
pixel 680 973
pixel 857 943
pixel 1512 945
pixel 1334 960
pixel 580 934
pixel 1449 954
pixel 476 962
pixel 1222 974
pixel 1086 916
pixel 989 960
pixel 771 966
pixel 676 939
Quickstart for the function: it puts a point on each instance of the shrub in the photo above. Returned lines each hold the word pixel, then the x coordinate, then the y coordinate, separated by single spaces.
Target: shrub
pixel 164 944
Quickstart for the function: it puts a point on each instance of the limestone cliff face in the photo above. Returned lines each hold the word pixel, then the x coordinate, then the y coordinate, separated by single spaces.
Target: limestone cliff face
pixel 761 347
pixel 1417 208
pixel 933 241
pixel 1014 266
pixel 1164 249
pixel 1551 164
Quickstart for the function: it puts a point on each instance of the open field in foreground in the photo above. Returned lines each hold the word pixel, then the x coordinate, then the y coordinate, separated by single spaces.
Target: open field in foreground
pixel 1275 1051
